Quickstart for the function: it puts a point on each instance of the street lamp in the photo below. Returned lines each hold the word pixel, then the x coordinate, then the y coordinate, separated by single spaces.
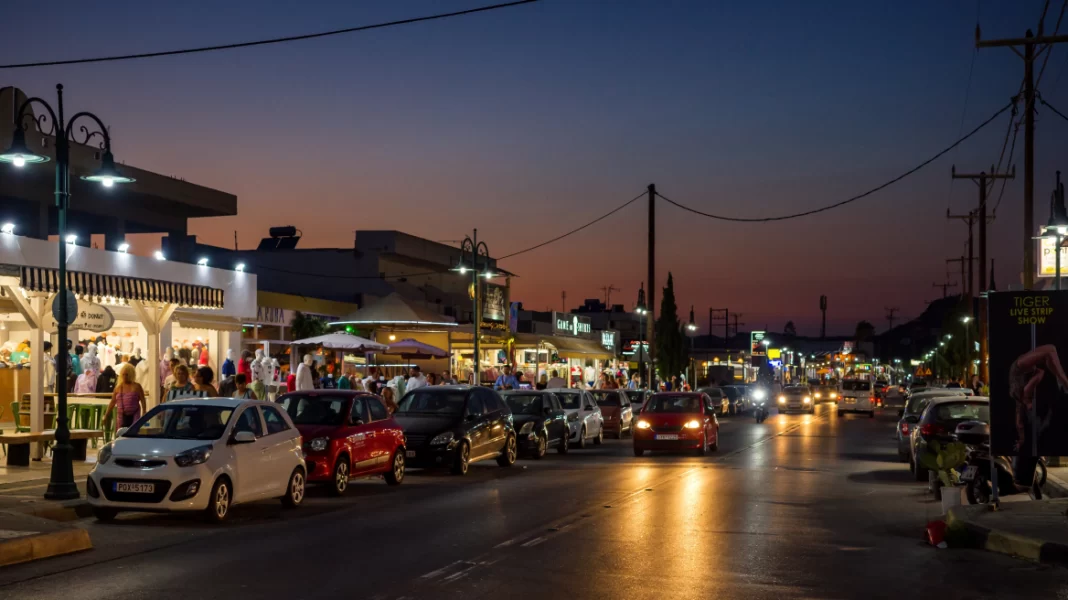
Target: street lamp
pixel 1057 228
pixel 61 484
pixel 692 326
pixel 479 253
pixel 967 347
pixel 641 310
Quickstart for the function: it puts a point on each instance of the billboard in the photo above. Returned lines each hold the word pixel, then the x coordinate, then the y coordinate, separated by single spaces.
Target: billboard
pixel 756 348
pixel 1028 386
pixel 1047 260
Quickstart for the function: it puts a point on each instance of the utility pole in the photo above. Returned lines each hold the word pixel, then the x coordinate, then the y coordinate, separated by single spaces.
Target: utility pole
pixel 650 328
pixel 890 316
pixel 608 289
pixel 945 287
pixel 563 301
pixel 713 315
pixel 1028 42
pixel 736 323
pixel 970 219
pixel 962 262
pixel 986 183
pixel 823 310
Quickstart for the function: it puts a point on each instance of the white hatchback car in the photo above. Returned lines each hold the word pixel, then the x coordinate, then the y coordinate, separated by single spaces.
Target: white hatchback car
pixel 200 455
pixel 583 416
pixel 856 395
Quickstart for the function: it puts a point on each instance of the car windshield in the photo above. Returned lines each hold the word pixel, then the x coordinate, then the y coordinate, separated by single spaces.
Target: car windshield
pixel 673 404
pixel 962 411
pixel 423 401
pixel 607 398
pixel 181 421
pixel 732 392
pixel 856 386
pixel 635 396
pixel 523 404
pixel 315 410
pixel 572 401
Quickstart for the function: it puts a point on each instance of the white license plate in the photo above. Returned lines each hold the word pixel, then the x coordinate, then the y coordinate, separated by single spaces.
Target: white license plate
pixel 410 453
pixel 969 473
pixel 667 436
pixel 849 400
pixel 135 488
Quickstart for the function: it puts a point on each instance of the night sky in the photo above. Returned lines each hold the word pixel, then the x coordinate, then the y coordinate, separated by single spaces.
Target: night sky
pixel 530 121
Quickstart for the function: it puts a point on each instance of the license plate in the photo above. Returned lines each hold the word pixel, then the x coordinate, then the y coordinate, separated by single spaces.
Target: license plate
pixel 135 488
pixel 850 400
pixel 410 453
pixel 667 436
pixel 969 473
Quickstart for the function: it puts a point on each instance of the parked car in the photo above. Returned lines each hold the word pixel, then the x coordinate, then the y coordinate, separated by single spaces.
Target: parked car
pixel 910 416
pixel 346 435
pixel 856 396
pixel 203 454
pixel 718 398
pixel 615 410
pixel 796 397
pixel 678 421
pixel 540 422
pixel 738 403
pixel 456 425
pixel 939 422
pixel 637 400
pixel 583 416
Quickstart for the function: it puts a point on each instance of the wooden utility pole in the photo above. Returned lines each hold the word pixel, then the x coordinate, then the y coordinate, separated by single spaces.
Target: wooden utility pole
pixel 823 311
pixel 713 315
pixel 1029 42
pixel 945 288
pixel 963 261
pixel 970 219
pixel 986 183
pixel 890 316
pixel 608 289
pixel 651 322
pixel 736 323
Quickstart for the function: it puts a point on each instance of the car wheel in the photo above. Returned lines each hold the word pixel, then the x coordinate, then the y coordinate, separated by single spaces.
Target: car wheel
pixel 462 460
pixel 582 439
pixel 600 436
pixel 396 474
pixel 105 515
pixel 219 501
pixel 295 490
pixel 978 491
pixel 638 451
pixel 341 477
pixel 703 450
pixel 565 443
pixel 508 454
pixel 539 451
pixel 619 431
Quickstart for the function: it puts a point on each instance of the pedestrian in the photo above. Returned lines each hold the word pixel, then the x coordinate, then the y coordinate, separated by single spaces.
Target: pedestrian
pixel 343 382
pixel 505 381
pixel 202 381
pixel 555 381
pixel 243 391
pixel 416 379
pixel 621 382
pixel 543 382
pixel 388 399
pixel 432 379
pixel 128 398
pixel 519 383
pixel 326 379
pixel 169 380
pixel 447 378
pixel 181 387
pixel 372 375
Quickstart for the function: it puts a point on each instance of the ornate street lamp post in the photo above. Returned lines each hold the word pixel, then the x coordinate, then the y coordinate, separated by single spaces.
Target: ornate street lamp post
pixel 479 256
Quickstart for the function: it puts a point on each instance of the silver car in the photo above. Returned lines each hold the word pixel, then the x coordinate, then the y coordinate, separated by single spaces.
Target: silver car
pixel 583 416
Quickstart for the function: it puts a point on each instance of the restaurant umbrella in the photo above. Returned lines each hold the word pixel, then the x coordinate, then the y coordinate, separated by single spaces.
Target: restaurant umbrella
pixel 340 342
pixel 414 349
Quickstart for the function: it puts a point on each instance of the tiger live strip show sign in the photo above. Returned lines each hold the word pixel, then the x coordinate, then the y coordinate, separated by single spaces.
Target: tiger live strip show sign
pixel 1028 386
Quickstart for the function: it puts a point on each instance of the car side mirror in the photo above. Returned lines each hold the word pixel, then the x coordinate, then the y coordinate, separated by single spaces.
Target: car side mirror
pixel 122 431
pixel 244 437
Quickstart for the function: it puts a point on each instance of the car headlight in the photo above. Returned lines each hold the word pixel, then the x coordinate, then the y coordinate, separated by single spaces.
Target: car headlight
pixel 104 455
pixel 833 395
pixel 693 424
pixel 572 417
pixel 782 399
pixel 193 456
pixel 319 444
pixel 818 395
pixel 526 428
pixel 643 424
pixel 441 439
pixel 759 394
pixel 807 400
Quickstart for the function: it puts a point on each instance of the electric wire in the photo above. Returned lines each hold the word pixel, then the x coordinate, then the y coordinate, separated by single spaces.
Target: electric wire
pixel 573 231
pixel 279 40
pixel 964 110
pixel 848 200
pixel 1049 49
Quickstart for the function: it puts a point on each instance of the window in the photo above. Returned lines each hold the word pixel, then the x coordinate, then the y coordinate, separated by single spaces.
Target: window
pixel 359 409
pixel 249 421
pixel 431 401
pixel 708 404
pixel 490 401
pixel 524 404
pixel 378 412
pixel 673 404
pixel 275 422
pixel 475 407
pixel 856 386
pixel 571 400
pixel 182 421
pixel 314 409
pixel 607 398
pixel 962 411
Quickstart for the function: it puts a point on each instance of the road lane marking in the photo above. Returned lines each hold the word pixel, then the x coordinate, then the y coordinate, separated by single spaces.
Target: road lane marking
pixel 436 572
pixel 534 542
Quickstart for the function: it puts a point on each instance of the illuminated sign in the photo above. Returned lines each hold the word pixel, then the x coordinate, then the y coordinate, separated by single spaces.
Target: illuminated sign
pixel 1047 263
pixel 756 346
pixel 774 353
pixel 568 324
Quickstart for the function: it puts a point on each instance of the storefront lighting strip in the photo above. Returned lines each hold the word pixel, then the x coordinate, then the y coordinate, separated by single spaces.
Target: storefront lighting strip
pixel 442 324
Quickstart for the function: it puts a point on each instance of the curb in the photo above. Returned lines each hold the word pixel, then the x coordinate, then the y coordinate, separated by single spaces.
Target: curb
pixel 36 547
pixel 1055 487
pixel 992 540
pixel 67 511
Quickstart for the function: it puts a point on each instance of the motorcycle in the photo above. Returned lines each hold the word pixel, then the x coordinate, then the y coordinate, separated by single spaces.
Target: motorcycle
pixel 976 475
pixel 760 405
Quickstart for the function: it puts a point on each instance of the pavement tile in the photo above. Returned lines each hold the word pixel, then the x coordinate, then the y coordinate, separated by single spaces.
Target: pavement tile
pixel 1036 531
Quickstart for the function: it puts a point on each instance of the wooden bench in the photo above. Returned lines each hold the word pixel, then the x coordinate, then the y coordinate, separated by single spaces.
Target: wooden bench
pixel 18 444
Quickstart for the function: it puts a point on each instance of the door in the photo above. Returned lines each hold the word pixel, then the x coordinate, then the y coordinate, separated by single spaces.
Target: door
pixel 594 417
pixel 558 429
pixel 278 449
pixel 361 438
pixel 249 459
pixel 496 420
pixel 475 422
pixel 385 441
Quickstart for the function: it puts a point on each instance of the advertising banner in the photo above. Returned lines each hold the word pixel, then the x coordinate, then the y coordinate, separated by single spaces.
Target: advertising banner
pixel 756 346
pixel 1047 262
pixel 1028 386
pixel 494 303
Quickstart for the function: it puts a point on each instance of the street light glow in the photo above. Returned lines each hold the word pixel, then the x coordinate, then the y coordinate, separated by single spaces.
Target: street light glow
pixel 19 161
pixel 240 267
pixel 72 238
pixel 124 247
pixel 1062 230
pixel 8 228
pixel 159 255
pixel 203 261
pixel 965 319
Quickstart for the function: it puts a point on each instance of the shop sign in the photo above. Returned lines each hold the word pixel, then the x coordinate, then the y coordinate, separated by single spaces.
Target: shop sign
pixel 568 324
pixel 494 307
pixel 610 340
pixel 847 347
pixel 774 353
pixel 270 316
pixel 1028 332
pixel 915 362
pixel 1047 263
pixel 513 317
pixel 91 317
pixel 756 348
pixel 492 326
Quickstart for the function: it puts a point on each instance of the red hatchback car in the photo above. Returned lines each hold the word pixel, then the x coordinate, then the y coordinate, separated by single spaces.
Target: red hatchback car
pixel 346 434
pixel 677 421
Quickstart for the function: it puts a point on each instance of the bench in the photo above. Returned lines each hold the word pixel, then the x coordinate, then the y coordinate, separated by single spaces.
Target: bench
pixel 18 444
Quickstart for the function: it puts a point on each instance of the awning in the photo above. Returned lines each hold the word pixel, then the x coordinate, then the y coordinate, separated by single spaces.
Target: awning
pixel 209 322
pixel 567 347
pixel 96 286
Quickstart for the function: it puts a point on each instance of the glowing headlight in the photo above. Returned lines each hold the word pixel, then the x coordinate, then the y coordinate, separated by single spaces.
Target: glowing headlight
pixel 759 394
pixel 527 428
pixel 818 395
pixel 643 425
pixel 833 395
pixel 782 399
pixel 807 400
pixel 693 424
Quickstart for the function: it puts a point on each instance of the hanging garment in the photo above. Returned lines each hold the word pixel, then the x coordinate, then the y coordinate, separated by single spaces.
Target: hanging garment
pixel 86 383
pixel 228 368
pixel 105 384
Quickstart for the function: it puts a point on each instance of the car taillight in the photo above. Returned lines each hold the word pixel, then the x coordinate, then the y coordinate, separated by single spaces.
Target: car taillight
pixel 904 428
pixel 932 429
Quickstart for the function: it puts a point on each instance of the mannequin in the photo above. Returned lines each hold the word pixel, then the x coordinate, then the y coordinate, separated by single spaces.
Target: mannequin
pixel 136 359
pixel 244 365
pixel 260 367
pixel 228 368
pixel 165 365
pixel 305 379
pixel 90 362
pixel 140 369
pixel 274 383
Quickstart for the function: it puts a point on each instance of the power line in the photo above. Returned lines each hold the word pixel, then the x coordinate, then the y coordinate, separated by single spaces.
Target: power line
pixel 1004 182
pixel 854 198
pixel 292 38
pixel 964 111
pixel 1049 50
pixel 560 237
pixel 1051 107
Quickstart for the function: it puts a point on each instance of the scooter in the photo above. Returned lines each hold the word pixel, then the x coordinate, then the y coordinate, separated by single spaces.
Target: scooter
pixel 760 406
pixel 976 475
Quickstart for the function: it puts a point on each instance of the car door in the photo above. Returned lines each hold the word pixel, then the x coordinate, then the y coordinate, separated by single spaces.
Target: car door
pixel 710 421
pixel 496 417
pixel 475 422
pixel 278 449
pixel 249 466
pixel 384 429
pixel 556 417
pixel 594 416
pixel 361 438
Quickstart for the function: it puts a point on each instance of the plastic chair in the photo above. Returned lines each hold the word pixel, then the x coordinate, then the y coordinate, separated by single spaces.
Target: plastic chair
pixel 72 413
pixel 19 427
pixel 85 416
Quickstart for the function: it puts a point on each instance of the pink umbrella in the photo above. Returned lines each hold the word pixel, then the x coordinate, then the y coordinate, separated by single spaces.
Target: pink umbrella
pixel 409 349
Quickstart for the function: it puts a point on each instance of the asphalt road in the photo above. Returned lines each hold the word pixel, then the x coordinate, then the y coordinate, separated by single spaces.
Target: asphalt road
pixel 798 507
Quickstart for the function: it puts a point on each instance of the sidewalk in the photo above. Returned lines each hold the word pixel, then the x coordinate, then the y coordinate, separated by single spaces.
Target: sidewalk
pixel 1035 531
pixel 24 537
pixel 1056 482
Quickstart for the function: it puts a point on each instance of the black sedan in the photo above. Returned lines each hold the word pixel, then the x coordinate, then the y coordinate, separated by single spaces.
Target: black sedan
pixel 456 425
pixel 540 421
